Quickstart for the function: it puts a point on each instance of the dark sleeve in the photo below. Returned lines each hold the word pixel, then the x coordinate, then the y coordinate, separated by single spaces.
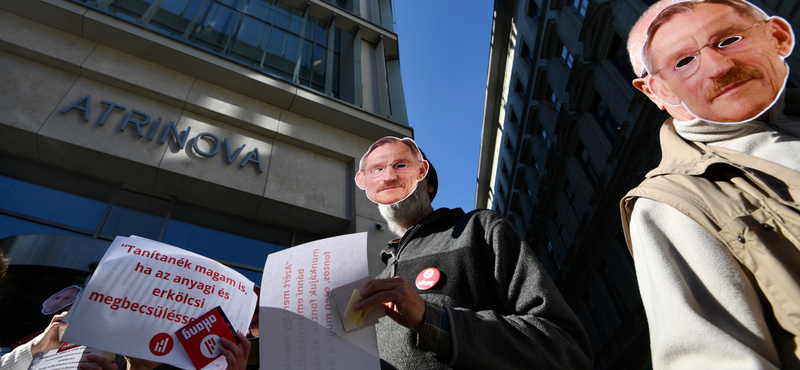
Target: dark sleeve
pixel 532 327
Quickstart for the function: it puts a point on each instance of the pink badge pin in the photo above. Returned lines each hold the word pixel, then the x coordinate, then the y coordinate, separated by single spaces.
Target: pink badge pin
pixel 428 278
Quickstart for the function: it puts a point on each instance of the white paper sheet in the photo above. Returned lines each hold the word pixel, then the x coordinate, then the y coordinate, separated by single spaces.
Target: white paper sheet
pixel 64 360
pixel 296 322
pixel 143 291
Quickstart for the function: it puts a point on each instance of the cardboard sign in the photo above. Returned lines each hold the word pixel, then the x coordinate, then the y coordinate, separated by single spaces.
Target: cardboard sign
pixel 201 338
pixel 296 321
pixel 144 291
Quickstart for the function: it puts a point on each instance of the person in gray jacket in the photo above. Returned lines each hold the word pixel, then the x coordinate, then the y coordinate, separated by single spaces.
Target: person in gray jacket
pixel 480 299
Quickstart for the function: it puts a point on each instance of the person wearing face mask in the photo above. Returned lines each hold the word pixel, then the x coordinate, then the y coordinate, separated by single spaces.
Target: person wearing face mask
pixel 460 290
pixel 715 229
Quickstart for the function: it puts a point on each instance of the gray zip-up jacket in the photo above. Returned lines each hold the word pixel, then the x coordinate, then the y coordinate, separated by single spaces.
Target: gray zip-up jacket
pixel 505 312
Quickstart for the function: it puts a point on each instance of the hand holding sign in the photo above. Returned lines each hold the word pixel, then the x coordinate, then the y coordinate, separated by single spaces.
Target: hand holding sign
pixel 148 290
pixel 49 339
pixel 400 301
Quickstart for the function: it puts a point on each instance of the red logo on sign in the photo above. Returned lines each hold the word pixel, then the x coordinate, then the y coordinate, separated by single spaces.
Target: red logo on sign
pixel 427 278
pixel 209 346
pixel 161 344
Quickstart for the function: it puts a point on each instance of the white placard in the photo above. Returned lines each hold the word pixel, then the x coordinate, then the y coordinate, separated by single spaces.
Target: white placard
pixel 64 359
pixel 143 291
pixel 296 321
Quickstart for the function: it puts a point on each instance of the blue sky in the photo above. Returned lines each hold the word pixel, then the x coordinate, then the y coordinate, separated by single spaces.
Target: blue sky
pixel 444 54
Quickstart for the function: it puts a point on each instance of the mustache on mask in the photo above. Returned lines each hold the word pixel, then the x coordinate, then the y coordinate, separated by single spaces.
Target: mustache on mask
pixel 737 74
pixel 398 183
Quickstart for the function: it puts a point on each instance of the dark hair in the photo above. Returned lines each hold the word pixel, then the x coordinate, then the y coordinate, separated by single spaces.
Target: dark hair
pixel 742 7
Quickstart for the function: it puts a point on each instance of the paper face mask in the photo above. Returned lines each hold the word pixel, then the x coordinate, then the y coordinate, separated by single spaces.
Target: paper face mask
pixel 723 61
pixel 391 169
pixel 63 298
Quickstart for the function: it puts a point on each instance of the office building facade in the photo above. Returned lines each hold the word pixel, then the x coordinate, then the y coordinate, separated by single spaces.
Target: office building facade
pixel 565 136
pixel 231 128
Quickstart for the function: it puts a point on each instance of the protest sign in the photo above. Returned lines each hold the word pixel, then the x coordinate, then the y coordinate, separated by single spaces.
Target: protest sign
pixel 143 291
pixel 201 338
pixel 67 358
pixel 297 324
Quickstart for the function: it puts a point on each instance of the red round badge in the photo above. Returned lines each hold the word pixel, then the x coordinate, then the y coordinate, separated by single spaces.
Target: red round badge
pixel 161 344
pixel 428 278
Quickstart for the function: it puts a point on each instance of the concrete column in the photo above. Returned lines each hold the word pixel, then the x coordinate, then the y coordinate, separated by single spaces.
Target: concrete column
pixel 329 64
pixel 359 80
pixel 383 86
pixel 356 7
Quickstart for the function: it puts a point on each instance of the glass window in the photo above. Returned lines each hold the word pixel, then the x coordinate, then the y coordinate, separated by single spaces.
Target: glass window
pixel 315 53
pixel 262 34
pixel 261 9
pixel 512 117
pixel 282 51
pixel 567 57
pixel 251 41
pixel 218 26
pixel 225 238
pixel 174 16
pixel 555 103
pixel 131 10
pixel 52 196
pixel 526 53
pixel 545 140
pixel 580 6
pixel 519 88
pixel 533 10
pixel 12 226
pixel 136 214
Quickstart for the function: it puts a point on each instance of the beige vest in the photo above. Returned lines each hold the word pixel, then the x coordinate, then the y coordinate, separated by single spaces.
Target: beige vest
pixel 747 203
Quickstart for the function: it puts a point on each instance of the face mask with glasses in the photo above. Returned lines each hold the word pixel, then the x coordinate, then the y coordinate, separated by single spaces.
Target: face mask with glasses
pixel 399 167
pixel 685 65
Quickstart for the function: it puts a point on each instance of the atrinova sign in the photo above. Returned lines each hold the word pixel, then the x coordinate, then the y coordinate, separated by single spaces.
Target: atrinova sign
pixel 138 119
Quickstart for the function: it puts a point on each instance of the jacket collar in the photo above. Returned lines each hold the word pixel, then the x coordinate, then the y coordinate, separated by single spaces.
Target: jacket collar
pixel 439 214
pixel 681 156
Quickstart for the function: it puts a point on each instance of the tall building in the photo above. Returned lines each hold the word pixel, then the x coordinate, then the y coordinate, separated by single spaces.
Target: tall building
pixel 231 128
pixel 565 136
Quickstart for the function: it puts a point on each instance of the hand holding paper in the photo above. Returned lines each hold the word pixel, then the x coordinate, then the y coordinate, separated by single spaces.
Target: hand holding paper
pixel 356 317
pixel 400 301
pixel 50 339
pixel 236 354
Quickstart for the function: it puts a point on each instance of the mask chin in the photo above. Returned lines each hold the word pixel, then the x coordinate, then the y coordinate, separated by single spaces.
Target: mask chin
pixel 774 100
